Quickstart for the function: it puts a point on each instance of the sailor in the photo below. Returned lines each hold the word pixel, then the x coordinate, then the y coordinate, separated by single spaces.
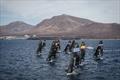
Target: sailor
pixel 58 45
pixel 40 46
pixel 99 50
pixel 75 58
pixel 101 45
pixel 53 51
pixel 82 50
pixel 44 43
pixel 67 48
pixel 72 45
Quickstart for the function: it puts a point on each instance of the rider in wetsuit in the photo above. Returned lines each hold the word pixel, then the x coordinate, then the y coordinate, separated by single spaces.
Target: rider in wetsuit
pixel 72 45
pixel 58 45
pixel 53 51
pixel 75 58
pixel 99 50
pixel 82 50
pixel 44 43
pixel 40 46
pixel 67 48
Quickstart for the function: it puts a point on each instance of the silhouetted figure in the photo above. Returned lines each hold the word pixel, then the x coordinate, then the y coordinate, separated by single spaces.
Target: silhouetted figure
pixel 71 65
pixel 82 50
pixel 44 43
pixel 99 50
pixel 76 54
pixel 67 48
pixel 40 46
pixel 58 45
pixel 72 45
pixel 101 45
pixel 75 58
pixel 53 51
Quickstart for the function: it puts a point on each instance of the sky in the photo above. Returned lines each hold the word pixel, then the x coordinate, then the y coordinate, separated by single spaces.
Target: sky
pixel 34 11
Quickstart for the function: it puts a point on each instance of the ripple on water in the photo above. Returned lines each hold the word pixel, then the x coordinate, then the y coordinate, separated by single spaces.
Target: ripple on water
pixel 19 62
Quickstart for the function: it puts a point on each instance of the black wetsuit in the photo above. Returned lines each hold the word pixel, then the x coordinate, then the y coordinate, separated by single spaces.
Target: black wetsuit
pixel 82 53
pixel 44 44
pixel 99 51
pixel 71 65
pixel 72 45
pixel 58 46
pixel 74 62
pixel 39 49
pixel 77 59
pixel 67 48
pixel 53 51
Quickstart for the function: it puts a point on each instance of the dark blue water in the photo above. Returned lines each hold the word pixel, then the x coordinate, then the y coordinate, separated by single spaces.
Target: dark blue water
pixel 18 61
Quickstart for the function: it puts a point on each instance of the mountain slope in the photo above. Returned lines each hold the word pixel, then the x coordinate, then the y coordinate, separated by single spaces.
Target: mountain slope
pixel 60 24
pixel 16 27
pixel 67 26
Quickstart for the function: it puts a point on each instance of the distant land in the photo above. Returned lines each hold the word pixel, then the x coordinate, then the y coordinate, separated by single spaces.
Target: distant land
pixel 64 26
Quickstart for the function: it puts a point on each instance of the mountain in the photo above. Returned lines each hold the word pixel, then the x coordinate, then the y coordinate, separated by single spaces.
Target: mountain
pixel 69 26
pixel 14 28
pixel 66 26
pixel 61 24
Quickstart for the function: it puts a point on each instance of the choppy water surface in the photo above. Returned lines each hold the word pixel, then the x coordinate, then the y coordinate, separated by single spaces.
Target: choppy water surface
pixel 18 61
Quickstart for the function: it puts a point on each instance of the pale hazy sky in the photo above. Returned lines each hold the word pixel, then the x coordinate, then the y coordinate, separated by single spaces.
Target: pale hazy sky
pixel 34 11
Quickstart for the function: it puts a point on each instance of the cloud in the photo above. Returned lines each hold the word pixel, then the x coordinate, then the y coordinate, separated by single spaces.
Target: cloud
pixel 34 11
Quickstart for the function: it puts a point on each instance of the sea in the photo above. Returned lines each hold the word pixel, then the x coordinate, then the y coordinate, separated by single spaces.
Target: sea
pixel 19 61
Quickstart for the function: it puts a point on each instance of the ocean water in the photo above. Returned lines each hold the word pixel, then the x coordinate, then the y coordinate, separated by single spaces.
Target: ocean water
pixel 18 61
